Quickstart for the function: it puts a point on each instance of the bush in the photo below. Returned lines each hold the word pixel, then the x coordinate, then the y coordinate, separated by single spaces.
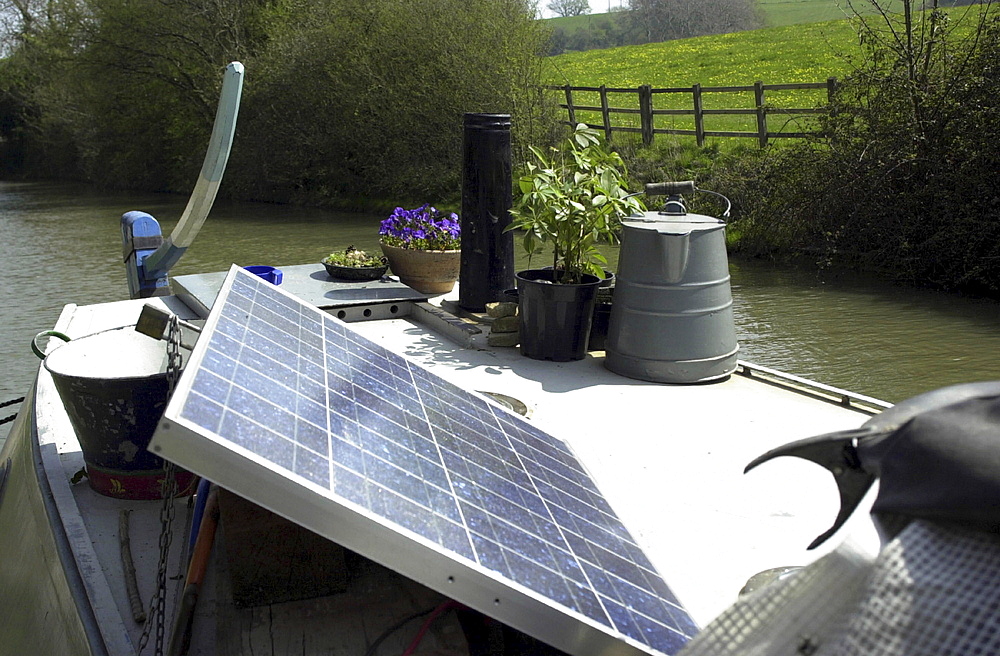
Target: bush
pixel 904 182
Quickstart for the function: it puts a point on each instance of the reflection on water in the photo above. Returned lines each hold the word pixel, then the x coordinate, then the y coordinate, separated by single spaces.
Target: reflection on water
pixel 62 244
pixel 867 336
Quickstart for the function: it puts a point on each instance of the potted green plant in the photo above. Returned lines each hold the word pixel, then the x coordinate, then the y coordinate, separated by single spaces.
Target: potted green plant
pixel 571 200
pixel 423 247
pixel 356 265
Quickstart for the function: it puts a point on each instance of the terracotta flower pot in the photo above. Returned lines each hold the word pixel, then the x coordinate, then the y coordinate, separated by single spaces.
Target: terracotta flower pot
pixel 428 272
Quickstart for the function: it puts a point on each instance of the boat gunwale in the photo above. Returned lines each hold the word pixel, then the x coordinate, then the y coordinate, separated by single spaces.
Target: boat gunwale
pixel 821 391
pixel 88 583
pixel 65 547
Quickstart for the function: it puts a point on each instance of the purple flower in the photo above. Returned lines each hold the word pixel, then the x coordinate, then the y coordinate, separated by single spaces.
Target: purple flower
pixel 421 228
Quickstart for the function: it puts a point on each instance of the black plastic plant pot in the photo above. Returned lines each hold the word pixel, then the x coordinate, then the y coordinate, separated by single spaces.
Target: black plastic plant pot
pixel 599 329
pixel 555 318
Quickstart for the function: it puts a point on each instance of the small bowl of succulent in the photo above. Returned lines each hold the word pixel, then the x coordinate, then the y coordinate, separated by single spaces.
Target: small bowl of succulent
pixel 355 265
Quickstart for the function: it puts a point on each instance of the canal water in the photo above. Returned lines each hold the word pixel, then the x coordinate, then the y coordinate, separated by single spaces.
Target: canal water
pixel 61 244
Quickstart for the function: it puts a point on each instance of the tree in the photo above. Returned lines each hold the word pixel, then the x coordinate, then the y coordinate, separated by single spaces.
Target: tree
pixel 661 20
pixel 569 7
pixel 358 99
pixel 365 98
pixel 23 19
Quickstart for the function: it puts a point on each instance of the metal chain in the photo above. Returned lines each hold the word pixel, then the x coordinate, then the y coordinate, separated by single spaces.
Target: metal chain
pixel 158 603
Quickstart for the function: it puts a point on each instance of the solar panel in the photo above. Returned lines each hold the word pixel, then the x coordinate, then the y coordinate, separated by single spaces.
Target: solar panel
pixel 291 408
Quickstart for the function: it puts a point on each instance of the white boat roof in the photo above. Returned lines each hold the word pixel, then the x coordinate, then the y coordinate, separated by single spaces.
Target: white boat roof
pixel 669 458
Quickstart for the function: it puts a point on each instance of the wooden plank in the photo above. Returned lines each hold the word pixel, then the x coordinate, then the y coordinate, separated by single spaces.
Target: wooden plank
pixel 688 133
pixel 726 133
pixel 730 112
pixel 584 108
pixel 581 88
pixel 780 110
pixel 791 135
pixel 795 85
pixel 733 89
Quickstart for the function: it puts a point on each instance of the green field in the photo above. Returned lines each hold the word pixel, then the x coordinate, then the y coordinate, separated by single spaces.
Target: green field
pixel 775 13
pixel 805 44
pixel 799 53
pixel 804 52
pixel 778 13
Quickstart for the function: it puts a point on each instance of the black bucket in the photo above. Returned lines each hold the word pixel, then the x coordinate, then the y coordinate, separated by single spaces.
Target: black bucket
pixel 113 385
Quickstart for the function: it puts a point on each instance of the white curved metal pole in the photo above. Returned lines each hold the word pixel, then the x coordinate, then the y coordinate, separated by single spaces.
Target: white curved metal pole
pixel 203 196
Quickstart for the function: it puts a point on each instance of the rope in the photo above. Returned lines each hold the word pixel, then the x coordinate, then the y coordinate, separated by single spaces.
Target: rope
pixel 11 418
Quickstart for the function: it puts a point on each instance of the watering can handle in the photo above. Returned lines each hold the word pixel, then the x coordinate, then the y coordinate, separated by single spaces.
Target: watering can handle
pixel 45 333
pixel 670 188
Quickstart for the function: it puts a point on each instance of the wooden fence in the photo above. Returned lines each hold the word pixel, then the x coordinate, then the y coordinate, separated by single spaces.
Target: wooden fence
pixel 648 127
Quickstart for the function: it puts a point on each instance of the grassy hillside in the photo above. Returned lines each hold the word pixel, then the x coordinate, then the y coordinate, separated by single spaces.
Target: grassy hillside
pixel 776 13
pixel 810 52
pixel 802 53
pixel 573 23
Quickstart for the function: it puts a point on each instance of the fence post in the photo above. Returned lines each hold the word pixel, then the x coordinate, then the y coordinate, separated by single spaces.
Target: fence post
pixel 699 117
pixel 646 114
pixel 569 107
pixel 758 92
pixel 605 114
pixel 831 109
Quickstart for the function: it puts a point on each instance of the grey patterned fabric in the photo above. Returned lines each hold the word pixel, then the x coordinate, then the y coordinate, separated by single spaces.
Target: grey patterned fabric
pixel 933 590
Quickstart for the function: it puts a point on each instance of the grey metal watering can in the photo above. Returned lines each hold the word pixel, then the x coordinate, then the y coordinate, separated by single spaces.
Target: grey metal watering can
pixel 672 317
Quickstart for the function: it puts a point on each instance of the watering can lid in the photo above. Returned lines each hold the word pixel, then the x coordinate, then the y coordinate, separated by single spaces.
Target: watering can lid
pixel 112 354
pixel 674 224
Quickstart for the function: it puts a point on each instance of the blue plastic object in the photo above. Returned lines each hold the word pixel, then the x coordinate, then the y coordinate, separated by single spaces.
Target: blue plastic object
pixel 199 509
pixel 268 273
pixel 141 237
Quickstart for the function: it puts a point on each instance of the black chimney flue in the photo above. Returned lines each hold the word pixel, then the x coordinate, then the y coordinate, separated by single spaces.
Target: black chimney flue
pixel 487 252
